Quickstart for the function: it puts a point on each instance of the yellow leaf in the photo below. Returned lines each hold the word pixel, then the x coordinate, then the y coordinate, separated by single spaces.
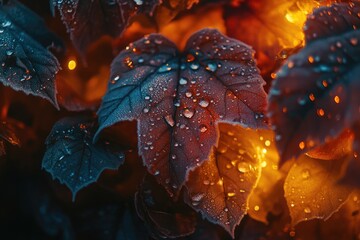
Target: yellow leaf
pixel 311 188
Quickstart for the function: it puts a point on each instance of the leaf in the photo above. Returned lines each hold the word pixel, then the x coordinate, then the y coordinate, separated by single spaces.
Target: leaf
pixel 312 191
pixel 169 9
pixel 27 65
pixel 315 94
pixel 351 176
pixel 279 23
pixel 7 132
pixel 268 194
pixel 178 99
pixel 221 186
pixel 73 159
pixel 87 21
pixel 163 217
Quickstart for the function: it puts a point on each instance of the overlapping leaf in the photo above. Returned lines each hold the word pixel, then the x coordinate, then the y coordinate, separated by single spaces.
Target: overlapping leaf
pixel 221 186
pixel 27 65
pixel 268 194
pixel 315 95
pixel 73 159
pixel 312 189
pixel 163 217
pixel 87 21
pixel 178 99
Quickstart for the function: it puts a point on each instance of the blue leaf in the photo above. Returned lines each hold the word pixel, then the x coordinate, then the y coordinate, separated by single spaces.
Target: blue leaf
pixel 73 159
pixel 178 99
pixel 27 65
pixel 315 95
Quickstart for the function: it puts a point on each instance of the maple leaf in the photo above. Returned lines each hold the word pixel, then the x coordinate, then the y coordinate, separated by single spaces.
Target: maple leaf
pixel 312 189
pixel 221 186
pixel 87 21
pixel 73 159
pixel 315 94
pixel 27 65
pixel 178 99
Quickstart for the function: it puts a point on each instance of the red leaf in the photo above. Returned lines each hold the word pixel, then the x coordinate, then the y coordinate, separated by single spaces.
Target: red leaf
pixel 178 99
pixel 87 21
pixel 221 186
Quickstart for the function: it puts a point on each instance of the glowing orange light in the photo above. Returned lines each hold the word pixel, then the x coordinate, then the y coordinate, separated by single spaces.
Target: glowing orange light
pixel 337 99
pixel 301 145
pixel 72 65
pixel 321 112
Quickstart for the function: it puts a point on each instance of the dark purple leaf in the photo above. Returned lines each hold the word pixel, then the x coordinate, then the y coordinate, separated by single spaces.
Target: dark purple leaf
pixel 27 65
pixel 73 159
pixel 178 99
pixel 87 21
pixel 315 94
pixel 163 217
pixel 221 186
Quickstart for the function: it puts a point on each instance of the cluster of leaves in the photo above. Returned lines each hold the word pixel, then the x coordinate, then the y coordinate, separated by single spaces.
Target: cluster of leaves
pixel 187 101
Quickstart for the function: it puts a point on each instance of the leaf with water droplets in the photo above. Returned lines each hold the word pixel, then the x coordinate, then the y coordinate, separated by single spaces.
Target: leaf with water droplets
pixel 315 94
pixel 268 194
pixel 73 159
pixel 312 189
pixel 178 101
pixel 87 21
pixel 220 187
pixel 26 63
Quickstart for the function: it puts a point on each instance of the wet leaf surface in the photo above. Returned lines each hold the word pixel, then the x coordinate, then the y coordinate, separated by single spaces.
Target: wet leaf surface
pixel 87 21
pixel 266 198
pixel 73 159
pixel 27 65
pixel 315 95
pixel 178 99
pixel 220 187
pixel 312 189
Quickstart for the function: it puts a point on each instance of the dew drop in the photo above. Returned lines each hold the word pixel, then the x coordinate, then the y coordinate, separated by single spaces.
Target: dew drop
pixel 164 68
pixel 211 67
pixel 169 120
pixel 354 41
pixel 194 66
pixel 231 194
pixel 206 182
pixel 203 128
pixel 243 167
pixel 188 113
pixel 198 197
pixel 204 103
pixel 146 110
pixel 183 81
pixel 305 174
